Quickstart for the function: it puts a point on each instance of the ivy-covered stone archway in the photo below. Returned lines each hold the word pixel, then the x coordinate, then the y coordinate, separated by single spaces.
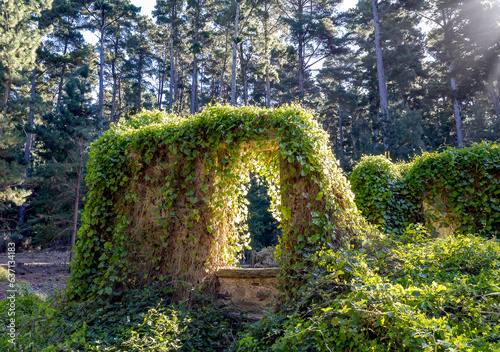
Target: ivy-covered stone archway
pixel 166 197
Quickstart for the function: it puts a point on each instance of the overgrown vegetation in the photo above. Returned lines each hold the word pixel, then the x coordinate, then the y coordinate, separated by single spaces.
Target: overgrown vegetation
pixel 61 90
pixel 420 294
pixel 457 188
pixel 405 291
pixel 173 185
pixel 143 320
pixel 409 293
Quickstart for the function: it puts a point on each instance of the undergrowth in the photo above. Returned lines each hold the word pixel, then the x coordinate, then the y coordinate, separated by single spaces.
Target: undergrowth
pixel 144 320
pixel 392 295
pixel 409 293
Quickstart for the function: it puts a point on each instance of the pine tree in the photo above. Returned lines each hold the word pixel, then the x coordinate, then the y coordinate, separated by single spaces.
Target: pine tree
pixel 20 36
pixel 140 58
pixel 63 138
pixel 101 15
pixel 311 31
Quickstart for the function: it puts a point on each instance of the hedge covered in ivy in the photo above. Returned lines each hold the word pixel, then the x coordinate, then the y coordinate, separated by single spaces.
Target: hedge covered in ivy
pixel 456 188
pixel 166 201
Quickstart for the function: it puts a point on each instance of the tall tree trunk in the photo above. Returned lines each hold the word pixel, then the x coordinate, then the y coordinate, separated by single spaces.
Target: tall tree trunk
pixel 456 108
pixel 61 84
pixel 268 88
pixel 494 98
pixel 77 198
pixel 63 72
pixel 101 85
pixel 301 68
pixel 268 59
pixel 6 94
pixel 221 86
pixel 29 138
pixel 236 33
pixel 139 90
pixel 300 42
pixel 171 92
pixel 161 81
pixel 115 79
pixel 179 93
pixel 244 64
pixel 194 83
pixel 382 88
pixel 212 87
pixel 341 137
pixel 27 149
pixel 176 81
pixel 119 98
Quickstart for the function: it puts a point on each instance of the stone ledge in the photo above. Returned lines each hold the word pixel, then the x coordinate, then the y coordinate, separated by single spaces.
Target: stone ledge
pixel 248 273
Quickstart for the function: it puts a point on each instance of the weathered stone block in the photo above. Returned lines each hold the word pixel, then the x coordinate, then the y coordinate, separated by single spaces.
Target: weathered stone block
pixel 249 291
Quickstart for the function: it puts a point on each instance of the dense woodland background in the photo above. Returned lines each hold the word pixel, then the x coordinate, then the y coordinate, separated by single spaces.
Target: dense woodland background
pixel 396 77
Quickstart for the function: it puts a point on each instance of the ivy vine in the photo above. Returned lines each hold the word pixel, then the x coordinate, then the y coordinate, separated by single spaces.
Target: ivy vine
pixel 166 197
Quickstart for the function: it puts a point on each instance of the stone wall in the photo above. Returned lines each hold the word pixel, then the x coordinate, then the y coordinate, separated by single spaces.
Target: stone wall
pixel 248 291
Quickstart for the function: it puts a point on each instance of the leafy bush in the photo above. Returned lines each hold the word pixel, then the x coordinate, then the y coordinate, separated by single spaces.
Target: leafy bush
pixel 377 185
pixel 460 189
pixel 434 295
pixel 144 320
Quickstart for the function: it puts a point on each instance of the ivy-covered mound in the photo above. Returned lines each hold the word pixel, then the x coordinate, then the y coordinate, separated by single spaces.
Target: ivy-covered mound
pixel 457 189
pixel 166 197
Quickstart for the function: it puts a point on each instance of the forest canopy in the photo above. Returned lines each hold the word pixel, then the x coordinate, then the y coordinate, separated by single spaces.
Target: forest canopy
pixel 386 77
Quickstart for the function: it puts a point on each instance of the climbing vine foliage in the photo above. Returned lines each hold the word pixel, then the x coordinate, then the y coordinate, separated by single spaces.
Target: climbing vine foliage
pixel 458 189
pixel 166 200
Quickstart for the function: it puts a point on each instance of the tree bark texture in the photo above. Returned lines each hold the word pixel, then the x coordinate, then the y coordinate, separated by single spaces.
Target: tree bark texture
pixel 447 27
pixel 171 99
pixel 63 72
pixel 194 83
pixel 382 87
pixel 113 73
pixel 77 198
pixel 341 137
pixel 101 84
pixel 221 85
pixel 236 33
pixel 244 65
pixel 494 98
pixel 29 139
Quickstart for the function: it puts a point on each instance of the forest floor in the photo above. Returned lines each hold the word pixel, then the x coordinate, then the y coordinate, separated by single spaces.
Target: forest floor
pixel 45 271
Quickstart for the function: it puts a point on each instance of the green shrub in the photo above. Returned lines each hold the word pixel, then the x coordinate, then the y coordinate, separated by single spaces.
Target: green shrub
pixel 434 295
pixel 144 320
pixel 379 192
pixel 460 187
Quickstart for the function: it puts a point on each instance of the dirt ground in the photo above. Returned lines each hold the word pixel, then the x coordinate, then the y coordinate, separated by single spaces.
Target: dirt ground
pixel 45 271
